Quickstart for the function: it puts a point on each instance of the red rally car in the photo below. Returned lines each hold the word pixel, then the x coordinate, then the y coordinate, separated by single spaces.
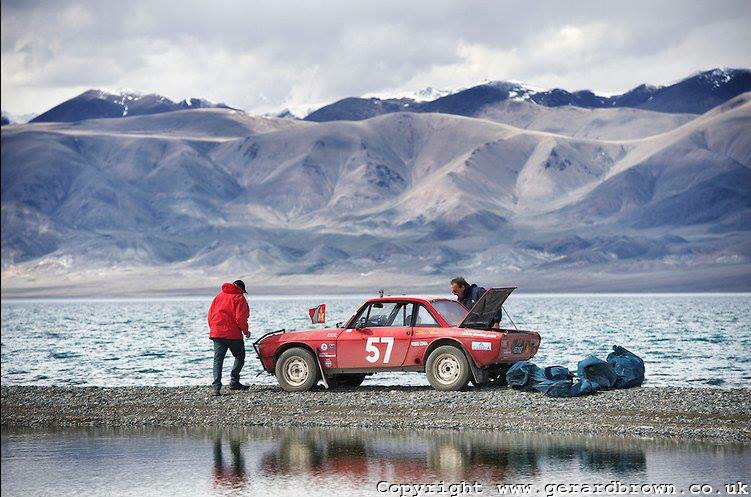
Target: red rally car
pixel 437 336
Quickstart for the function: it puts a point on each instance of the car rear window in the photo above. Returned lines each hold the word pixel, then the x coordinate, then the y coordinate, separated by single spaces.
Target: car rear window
pixel 452 311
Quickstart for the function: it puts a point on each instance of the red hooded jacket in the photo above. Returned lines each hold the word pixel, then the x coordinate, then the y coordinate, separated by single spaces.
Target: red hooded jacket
pixel 229 313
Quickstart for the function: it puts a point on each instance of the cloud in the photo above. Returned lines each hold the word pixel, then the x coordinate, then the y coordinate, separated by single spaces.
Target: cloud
pixel 262 56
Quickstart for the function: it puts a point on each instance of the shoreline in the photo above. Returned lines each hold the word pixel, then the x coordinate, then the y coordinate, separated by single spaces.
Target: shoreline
pixel 202 294
pixel 680 413
pixel 276 292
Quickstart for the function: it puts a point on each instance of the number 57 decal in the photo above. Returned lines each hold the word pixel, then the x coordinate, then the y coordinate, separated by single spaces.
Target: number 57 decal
pixel 374 352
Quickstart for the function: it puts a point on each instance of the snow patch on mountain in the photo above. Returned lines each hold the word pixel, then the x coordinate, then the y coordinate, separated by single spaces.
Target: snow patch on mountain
pixel 716 76
pixel 427 94
pixel 296 111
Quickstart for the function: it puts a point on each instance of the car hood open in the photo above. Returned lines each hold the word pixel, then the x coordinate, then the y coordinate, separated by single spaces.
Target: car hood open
pixel 485 310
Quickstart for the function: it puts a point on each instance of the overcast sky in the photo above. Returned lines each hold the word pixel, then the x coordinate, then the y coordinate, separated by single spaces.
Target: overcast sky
pixel 264 56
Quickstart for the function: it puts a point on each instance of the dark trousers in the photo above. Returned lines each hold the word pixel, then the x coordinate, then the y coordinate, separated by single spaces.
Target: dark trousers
pixel 237 347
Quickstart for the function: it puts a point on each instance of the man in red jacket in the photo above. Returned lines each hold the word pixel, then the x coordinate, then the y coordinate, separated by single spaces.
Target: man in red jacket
pixel 228 322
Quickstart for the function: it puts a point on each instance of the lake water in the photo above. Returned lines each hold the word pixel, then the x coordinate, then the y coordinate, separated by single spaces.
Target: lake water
pixel 689 340
pixel 336 462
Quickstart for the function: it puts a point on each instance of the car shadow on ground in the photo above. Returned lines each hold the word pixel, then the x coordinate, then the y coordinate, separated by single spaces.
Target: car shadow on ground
pixel 377 388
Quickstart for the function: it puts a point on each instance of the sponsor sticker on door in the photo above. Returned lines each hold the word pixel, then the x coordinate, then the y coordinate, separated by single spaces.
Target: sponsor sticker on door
pixel 482 346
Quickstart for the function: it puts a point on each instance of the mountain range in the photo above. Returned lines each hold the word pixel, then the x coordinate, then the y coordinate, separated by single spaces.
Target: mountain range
pixel 693 95
pixel 650 196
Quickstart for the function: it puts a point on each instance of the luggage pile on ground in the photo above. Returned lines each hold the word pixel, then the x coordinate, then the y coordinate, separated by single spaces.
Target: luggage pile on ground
pixel 622 369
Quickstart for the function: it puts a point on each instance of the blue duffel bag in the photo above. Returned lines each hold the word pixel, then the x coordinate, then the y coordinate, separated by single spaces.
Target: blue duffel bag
pixel 598 371
pixel 553 381
pixel 628 367
pixel 523 375
pixel 567 388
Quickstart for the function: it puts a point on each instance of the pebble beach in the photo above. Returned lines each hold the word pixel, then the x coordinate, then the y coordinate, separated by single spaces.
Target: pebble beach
pixel 710 414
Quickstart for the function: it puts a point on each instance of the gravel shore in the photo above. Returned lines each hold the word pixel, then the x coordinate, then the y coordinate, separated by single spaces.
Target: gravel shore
pixel 719 415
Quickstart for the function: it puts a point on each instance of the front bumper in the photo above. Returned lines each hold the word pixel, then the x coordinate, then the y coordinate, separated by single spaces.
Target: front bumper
pixel 257 346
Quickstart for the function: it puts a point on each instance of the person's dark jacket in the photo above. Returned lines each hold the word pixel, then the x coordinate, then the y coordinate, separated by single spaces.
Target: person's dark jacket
pixel 471 295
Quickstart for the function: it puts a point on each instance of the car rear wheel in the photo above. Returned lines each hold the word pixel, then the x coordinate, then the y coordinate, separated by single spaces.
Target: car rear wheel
pixel 447 368
pixel 297 370
pixel 346 380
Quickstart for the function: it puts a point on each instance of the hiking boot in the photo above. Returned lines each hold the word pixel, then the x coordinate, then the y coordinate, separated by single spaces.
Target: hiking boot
pixel 238 386
pixel 215 392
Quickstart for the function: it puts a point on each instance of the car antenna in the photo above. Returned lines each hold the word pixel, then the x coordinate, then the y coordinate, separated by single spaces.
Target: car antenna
pixel 509 318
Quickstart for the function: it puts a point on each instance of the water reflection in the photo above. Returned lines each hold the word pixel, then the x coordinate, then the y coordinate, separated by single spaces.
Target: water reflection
pixel 337 462
pixel 440 455
pixel 619 463
pixel 230 474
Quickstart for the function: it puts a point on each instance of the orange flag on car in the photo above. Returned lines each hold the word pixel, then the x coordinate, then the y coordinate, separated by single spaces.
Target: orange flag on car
pixel 318 314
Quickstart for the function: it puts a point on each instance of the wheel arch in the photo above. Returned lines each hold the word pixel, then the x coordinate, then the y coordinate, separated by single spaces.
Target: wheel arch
pixel 291 345
pixel 477 373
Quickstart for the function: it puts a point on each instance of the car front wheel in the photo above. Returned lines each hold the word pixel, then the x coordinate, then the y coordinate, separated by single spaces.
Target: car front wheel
pixel 297 370
pixel 447 368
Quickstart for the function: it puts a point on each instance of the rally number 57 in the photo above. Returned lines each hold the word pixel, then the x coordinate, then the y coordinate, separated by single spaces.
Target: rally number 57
pixel 374 353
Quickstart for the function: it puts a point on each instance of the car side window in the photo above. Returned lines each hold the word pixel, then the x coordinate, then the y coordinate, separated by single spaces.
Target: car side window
pixel 385 314
pixel 424 318
pixel 362 316
pixel 402 315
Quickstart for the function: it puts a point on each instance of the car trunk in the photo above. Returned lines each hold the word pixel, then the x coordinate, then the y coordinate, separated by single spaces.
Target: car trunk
pixel 516 344
pixel 487 310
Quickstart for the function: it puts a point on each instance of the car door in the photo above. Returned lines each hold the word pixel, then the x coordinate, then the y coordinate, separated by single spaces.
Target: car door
pixel 379 337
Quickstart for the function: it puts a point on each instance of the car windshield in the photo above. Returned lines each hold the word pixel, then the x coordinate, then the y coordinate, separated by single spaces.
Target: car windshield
pixel 451 310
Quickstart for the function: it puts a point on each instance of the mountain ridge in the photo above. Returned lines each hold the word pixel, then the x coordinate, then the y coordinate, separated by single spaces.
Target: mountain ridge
pixel 695 94
pixel 98 104
pixel 401 199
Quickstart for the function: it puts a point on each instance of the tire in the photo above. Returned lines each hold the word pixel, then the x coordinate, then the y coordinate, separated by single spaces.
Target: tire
pixel 447 368
pixel 346 380
pixel 297 370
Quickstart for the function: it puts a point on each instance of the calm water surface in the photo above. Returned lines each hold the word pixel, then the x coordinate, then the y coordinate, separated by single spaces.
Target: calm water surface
pixel 336 462
pixel 695 340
